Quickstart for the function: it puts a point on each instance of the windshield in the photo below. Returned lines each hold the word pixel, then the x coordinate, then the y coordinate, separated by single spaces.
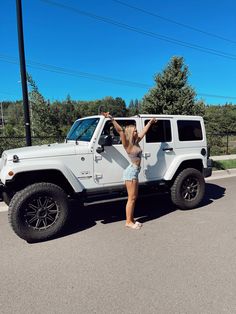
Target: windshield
pixel 82 130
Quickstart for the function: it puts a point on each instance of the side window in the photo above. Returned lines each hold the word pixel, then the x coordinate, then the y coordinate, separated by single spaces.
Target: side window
pixel 110 130
pixel 189 130
pixel 159 132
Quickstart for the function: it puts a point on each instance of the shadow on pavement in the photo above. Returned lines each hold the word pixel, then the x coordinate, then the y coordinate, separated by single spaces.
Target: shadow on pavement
pixel 147 208
pixel 213 192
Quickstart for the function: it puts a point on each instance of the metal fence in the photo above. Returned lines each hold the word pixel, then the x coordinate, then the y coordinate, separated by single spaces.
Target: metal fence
pixel 222 143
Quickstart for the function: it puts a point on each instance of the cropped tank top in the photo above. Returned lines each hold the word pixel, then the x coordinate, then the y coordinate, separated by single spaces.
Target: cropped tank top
pixel 136 154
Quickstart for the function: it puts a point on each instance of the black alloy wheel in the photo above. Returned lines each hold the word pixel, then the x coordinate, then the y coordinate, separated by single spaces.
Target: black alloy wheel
pixel 188 189
pixel 41 212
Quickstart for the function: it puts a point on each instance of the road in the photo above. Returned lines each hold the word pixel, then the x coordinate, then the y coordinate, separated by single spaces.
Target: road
pixel 179 262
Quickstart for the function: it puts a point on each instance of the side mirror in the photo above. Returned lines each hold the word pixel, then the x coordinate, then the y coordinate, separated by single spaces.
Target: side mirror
pixel 105 140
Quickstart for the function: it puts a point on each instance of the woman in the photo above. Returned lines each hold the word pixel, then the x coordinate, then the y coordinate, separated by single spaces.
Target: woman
pixel 130 140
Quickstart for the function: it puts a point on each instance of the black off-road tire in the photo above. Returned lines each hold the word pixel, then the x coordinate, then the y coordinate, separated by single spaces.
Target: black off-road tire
pixel 38 212
pixel 188 189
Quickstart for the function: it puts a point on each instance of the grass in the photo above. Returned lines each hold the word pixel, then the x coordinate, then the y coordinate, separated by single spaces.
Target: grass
pixel 224 164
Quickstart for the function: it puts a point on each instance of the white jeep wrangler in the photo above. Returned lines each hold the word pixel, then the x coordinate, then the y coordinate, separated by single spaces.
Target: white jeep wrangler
pixel 37 181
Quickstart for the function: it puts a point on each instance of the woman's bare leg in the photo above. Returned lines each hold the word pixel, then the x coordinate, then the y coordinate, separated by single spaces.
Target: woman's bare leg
pixel 132 189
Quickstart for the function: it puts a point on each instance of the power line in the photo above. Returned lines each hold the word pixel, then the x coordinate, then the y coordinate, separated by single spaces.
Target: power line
pixel 144 32
pixel 173 21
pixel 61 70
pixel 216 96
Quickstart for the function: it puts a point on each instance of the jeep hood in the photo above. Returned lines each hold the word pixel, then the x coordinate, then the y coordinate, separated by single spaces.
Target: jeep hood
pixel 48 150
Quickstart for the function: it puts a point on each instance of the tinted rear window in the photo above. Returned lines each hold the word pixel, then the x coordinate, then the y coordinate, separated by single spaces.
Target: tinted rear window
pixel 189 130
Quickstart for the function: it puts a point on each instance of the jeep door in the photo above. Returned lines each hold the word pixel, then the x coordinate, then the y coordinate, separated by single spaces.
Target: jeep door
pixel 158 149
pixel 110 164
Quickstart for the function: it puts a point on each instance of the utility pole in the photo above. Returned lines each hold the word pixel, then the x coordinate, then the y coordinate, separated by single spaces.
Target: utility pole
pixel 23 72
pixel 2 118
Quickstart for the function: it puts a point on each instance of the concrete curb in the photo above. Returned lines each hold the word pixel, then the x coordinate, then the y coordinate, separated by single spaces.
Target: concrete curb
pixel 223 157
pixel 219 174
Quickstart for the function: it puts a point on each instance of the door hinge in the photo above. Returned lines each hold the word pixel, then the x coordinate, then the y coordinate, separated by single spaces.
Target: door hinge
pixel 145 155
pixel 97 157
pixel 98 175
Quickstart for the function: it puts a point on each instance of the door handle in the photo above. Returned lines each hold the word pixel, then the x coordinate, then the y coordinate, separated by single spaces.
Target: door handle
pixel 145 155
pixel 167 149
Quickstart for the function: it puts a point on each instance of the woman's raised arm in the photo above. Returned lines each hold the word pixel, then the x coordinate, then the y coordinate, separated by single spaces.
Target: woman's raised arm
pixel 146 128
pixel 118 128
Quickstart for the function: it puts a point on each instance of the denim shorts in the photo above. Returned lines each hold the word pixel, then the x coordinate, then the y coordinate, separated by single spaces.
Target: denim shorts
pixel 131 172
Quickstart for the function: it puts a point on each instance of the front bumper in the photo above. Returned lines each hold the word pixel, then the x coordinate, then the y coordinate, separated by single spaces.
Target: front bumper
pixel 207 172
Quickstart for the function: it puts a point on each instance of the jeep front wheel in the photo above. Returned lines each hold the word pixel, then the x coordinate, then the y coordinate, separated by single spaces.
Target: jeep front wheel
pixel 38 212
pixel 188 189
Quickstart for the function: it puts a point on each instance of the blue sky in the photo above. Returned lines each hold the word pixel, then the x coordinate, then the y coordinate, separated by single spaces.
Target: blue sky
pixel 98 59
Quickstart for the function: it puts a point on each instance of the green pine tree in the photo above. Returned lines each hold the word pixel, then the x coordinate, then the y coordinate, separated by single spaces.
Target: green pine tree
pixel 134 107
pixel 43 120
pixel 172 93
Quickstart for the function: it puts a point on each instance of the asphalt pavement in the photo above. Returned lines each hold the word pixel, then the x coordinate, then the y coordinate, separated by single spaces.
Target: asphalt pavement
pixel 179 262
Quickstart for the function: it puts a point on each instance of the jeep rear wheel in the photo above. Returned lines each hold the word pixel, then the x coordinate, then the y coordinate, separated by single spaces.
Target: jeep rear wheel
pixel 38 212
pixel 188 189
